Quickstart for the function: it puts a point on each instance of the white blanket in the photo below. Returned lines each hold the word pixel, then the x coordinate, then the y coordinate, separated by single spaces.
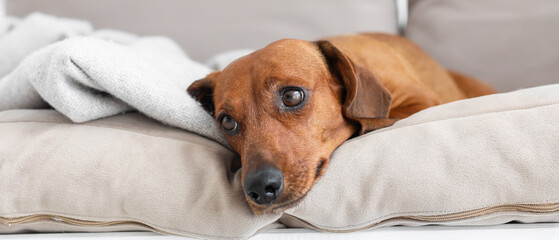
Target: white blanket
pixel 101 74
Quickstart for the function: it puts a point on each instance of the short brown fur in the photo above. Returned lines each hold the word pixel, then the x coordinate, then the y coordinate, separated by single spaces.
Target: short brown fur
pixel 356 84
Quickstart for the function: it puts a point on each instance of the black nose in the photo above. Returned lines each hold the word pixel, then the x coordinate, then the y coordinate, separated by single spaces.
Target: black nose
pixel 264 185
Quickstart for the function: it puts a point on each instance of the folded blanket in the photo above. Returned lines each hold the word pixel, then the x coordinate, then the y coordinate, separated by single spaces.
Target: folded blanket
pixel 104 74
pixel 20 38
pixel 7 24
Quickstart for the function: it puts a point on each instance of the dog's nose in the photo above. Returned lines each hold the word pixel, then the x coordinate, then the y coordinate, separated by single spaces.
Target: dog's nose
pixel 264 185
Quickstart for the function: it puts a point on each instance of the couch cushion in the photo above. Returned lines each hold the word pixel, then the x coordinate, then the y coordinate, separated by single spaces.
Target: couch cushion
pixel 487 160
pixel 120 173
pixel 509 44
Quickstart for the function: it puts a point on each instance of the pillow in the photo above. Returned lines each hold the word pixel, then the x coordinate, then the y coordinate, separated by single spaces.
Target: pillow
pixel 508 44
pixel 205 28
pixel 120 173
pixel 487 160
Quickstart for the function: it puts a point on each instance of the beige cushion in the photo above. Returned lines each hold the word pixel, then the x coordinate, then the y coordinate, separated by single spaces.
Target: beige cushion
pixel 126 172
pixel 509 44
pixel 480 161
pixel 487 160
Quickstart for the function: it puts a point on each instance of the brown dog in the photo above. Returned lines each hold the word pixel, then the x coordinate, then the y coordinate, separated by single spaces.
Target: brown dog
pixel 285 108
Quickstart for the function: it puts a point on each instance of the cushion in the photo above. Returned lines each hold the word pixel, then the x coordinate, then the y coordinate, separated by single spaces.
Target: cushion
pixel 205 28
pixel 486 160
pixel 509 44
pixel 120 173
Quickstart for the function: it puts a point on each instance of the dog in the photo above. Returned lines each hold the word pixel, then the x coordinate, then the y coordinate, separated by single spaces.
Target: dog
pixel 286 107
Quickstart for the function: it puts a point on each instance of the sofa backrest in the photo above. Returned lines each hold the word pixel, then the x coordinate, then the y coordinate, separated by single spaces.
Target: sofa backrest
pixel 204 28
pixel 509 44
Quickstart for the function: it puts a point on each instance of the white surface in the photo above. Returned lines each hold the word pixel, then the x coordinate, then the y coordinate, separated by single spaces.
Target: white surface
pixel 507 231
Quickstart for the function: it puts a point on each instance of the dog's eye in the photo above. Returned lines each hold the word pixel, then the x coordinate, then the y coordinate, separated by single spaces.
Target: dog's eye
pixel 293 97
pixel 228 123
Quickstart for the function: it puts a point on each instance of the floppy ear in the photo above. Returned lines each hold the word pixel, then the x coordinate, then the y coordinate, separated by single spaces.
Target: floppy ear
pixel 203 91
pixel 366 102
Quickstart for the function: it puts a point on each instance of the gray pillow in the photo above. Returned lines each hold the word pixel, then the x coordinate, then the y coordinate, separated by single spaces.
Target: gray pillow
pixel 509 44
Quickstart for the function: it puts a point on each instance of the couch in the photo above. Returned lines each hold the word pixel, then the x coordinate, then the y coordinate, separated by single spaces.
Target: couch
pixel 491 160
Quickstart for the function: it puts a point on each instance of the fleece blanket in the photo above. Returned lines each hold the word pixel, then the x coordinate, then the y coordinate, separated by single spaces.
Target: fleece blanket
pixel 86 74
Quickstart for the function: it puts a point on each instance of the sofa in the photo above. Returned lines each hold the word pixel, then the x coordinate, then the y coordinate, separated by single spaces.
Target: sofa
pixel 130 161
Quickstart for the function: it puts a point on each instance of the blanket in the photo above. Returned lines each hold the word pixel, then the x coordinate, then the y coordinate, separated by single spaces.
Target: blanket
pixel 87 75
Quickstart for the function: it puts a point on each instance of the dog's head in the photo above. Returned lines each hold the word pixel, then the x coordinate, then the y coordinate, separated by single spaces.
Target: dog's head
pixel 284 109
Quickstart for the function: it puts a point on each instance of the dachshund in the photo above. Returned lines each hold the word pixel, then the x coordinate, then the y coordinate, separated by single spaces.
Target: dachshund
pixel 286 107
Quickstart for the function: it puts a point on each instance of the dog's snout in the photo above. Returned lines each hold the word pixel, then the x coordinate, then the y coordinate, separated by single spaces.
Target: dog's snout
pixel 264 185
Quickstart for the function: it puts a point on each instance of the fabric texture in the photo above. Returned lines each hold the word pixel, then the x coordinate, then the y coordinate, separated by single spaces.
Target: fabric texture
pixel 490 160
pixel 487 152
pixel 508 44
pixel 101 75
pixel 125 168
pixel 209 27
pixel 7 24
pixel 20 38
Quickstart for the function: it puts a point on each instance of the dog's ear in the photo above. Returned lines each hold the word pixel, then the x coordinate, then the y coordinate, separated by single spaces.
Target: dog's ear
pixel 366 102
pixel 203 91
